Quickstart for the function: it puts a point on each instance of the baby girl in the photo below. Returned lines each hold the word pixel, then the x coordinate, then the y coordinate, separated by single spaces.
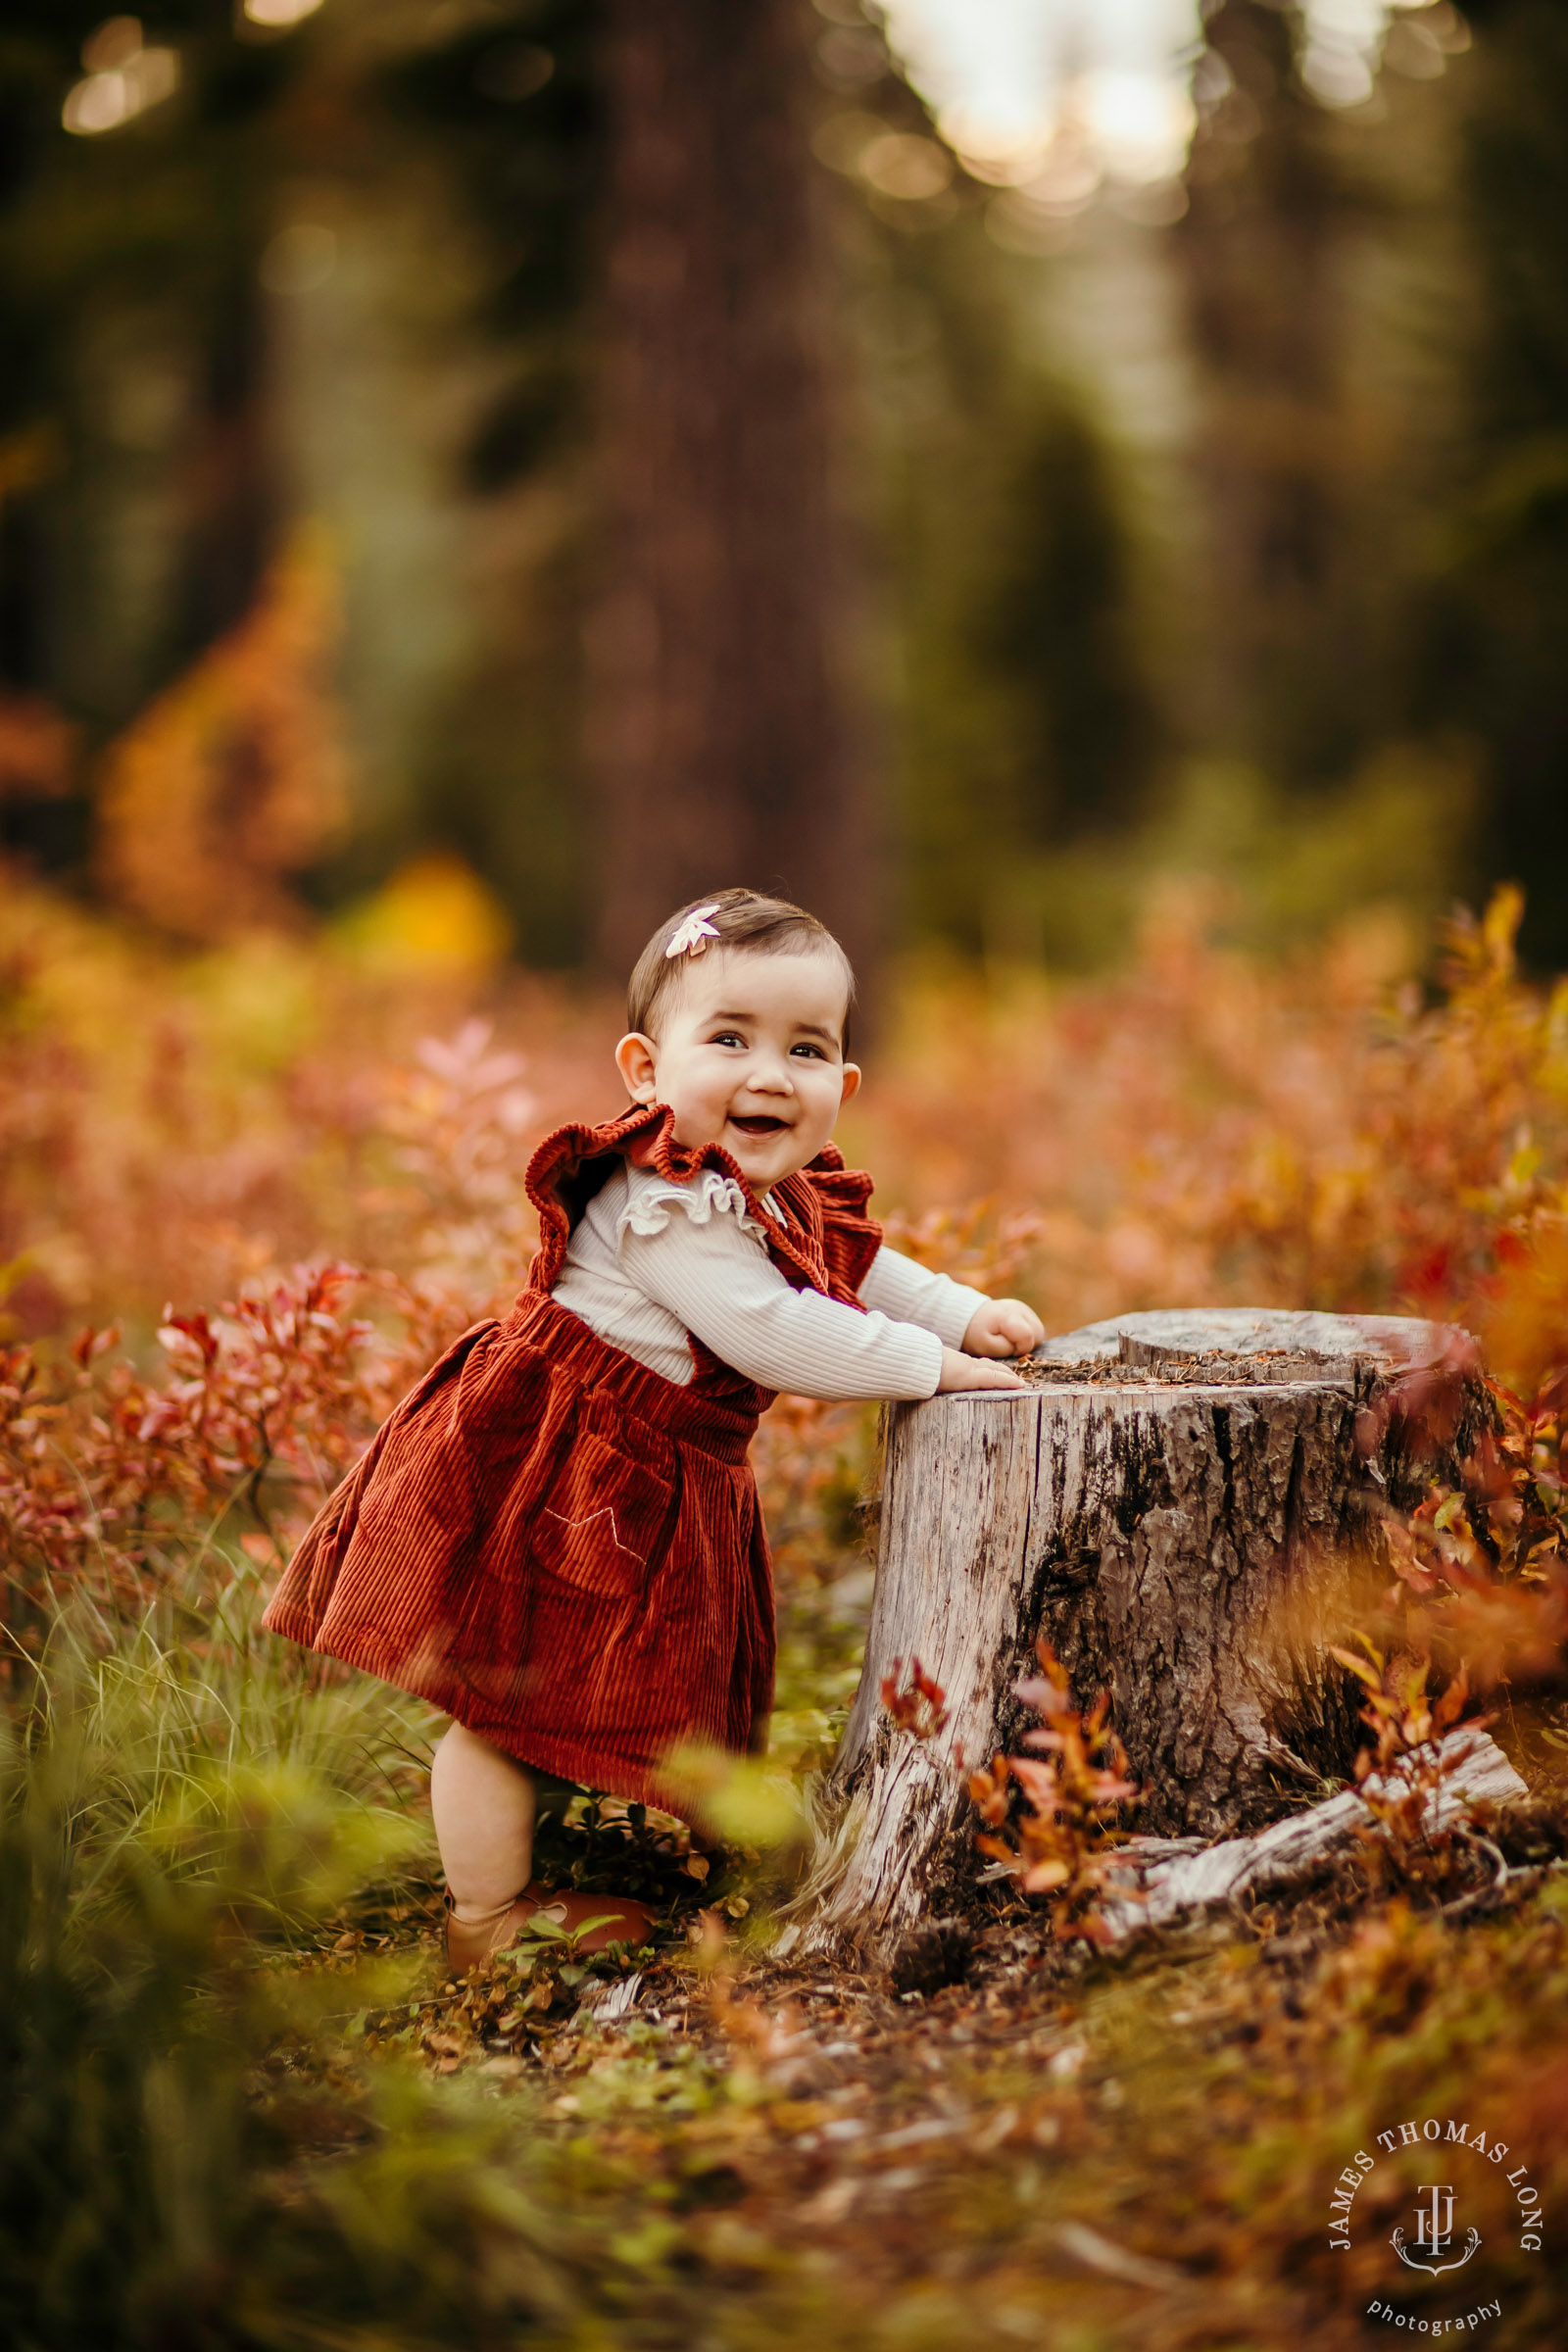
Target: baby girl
pixel 556 1537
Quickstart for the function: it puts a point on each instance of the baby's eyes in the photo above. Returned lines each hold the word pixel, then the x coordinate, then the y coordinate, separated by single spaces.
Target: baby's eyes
pixel 733 1037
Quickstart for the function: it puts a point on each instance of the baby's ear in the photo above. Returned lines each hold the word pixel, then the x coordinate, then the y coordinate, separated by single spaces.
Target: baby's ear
pixel 852 1081
pixel 637 1060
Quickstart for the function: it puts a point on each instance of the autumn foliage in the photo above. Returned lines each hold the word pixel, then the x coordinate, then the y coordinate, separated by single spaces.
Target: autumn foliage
pixel 234 778
pixel 914 1704
pixel 246 1194
pixel 1062 1841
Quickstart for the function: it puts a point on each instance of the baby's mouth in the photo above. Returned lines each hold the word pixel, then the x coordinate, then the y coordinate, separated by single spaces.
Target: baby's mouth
pixel 760 1125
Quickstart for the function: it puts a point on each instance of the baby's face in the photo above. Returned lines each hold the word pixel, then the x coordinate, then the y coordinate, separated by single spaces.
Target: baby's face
pixel 749 1057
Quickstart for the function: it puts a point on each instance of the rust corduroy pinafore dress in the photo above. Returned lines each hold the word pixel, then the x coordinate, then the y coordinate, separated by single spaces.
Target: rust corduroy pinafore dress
pixel 556 1546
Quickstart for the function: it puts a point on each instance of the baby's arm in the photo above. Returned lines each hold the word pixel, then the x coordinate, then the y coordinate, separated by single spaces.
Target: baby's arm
pixel 960 1316
pixel 725 1290
pixel 896 1286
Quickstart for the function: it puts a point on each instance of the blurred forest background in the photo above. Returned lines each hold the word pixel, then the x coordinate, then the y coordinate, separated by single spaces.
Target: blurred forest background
pixel 1077 491
pixel 480 469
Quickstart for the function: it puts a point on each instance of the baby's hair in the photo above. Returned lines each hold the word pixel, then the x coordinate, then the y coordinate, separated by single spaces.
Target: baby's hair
pixel 747 921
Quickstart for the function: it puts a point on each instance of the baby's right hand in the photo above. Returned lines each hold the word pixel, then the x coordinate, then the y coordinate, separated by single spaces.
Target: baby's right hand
pixel 960 1371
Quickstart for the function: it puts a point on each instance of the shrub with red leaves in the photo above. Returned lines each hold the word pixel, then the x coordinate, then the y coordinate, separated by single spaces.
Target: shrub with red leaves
pixel 106 1475
pixel 1058 1842
pixel 1061 1841
pixel 916 1706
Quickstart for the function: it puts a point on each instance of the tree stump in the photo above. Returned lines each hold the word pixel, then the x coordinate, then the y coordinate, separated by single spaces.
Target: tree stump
pixel 1178 1508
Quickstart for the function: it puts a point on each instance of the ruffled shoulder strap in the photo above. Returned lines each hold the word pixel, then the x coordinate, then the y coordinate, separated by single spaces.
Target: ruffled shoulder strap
pixel 825 1241
pixel 568 1169
pixel 848 1237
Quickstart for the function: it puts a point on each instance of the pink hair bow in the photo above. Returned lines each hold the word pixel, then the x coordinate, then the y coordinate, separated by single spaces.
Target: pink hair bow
pixel 692 934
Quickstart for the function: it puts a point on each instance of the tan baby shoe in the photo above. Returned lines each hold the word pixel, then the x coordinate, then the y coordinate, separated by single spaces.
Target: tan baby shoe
pixel 616 1919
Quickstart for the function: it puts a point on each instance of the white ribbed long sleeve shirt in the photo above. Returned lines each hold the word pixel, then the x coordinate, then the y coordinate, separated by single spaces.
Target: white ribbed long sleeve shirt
pixel 652 1261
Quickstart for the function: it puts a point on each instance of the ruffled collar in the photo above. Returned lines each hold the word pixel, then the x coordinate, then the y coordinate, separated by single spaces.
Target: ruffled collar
pixel 572 1164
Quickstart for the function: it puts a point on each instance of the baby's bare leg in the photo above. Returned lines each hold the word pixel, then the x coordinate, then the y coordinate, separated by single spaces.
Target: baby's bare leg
pixel 484 1806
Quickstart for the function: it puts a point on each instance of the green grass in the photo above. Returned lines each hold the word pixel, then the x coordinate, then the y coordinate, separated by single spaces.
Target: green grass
pixel 169 1726
pixel 186 2157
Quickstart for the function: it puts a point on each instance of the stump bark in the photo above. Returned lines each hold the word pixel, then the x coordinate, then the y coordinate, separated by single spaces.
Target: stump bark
pixel 1178 1508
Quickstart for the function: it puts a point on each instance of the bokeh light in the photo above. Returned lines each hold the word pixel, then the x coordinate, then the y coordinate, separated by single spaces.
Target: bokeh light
pixel 278 13
pixel 125 77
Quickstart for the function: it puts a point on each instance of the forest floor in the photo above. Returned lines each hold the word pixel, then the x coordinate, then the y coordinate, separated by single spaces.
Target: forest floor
pixel 1061 2148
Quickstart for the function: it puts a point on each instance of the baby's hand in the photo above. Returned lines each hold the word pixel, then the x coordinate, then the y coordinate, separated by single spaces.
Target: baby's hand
pixel 1002 1327
pixel 964 1372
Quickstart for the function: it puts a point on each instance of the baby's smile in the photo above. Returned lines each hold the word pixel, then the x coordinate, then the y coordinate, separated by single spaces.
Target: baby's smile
pixel 759 1123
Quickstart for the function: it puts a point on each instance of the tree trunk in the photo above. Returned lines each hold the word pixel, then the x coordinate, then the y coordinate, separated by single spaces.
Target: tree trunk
pixel 1257 246
pixel 1182 1525
pixel 720 696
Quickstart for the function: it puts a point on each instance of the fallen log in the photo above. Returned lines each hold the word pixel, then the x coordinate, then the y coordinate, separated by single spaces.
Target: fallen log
pixel 1177 1506
pixel 1160 1879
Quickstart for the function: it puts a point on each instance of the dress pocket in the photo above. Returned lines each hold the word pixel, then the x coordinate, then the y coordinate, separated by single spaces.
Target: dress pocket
pixel 604 1520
